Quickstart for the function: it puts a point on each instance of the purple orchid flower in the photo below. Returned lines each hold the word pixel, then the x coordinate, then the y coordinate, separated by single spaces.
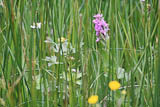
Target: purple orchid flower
pixel 101 27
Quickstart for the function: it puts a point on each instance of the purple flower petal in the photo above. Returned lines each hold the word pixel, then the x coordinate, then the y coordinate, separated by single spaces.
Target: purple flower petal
pixel 101 27
pixel 95 21
pixel 103 32
pixel 98 39
pixel 98 28
pixel 97 33
pixel 98 16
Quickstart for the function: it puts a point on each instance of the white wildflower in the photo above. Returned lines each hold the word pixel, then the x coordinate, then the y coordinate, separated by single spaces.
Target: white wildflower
pixel 37 25
pixel 142 0
pixel 120 73
pixel 52 60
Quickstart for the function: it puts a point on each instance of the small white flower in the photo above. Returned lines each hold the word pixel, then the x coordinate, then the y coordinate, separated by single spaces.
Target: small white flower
pixel 73 70
pixel 120 73
pixel 33 26
pixel 37 25
pixel 52 60
pixel 142 0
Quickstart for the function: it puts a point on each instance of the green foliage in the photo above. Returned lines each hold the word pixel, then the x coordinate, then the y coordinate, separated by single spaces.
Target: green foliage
pixel 37 68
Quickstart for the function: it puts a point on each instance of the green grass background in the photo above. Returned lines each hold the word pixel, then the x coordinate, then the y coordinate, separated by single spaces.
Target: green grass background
pixel 26 80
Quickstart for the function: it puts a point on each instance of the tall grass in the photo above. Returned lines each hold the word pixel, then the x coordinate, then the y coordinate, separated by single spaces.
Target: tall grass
pixel 130 56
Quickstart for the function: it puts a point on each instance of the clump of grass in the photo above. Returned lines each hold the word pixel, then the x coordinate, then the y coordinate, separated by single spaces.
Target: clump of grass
pixel 49 55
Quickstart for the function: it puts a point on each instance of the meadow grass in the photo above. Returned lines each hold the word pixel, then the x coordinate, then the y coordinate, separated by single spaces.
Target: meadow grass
pixel 37 68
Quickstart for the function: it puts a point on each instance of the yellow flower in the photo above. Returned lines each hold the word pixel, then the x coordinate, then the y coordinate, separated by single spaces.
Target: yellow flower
pixel 114 85
pixel 62 39
pixel 93 99
pixel 124 92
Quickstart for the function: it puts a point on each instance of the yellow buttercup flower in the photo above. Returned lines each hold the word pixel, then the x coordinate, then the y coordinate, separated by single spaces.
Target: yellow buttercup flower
pixel 62 39
pixel 114 85
pixel 93 99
